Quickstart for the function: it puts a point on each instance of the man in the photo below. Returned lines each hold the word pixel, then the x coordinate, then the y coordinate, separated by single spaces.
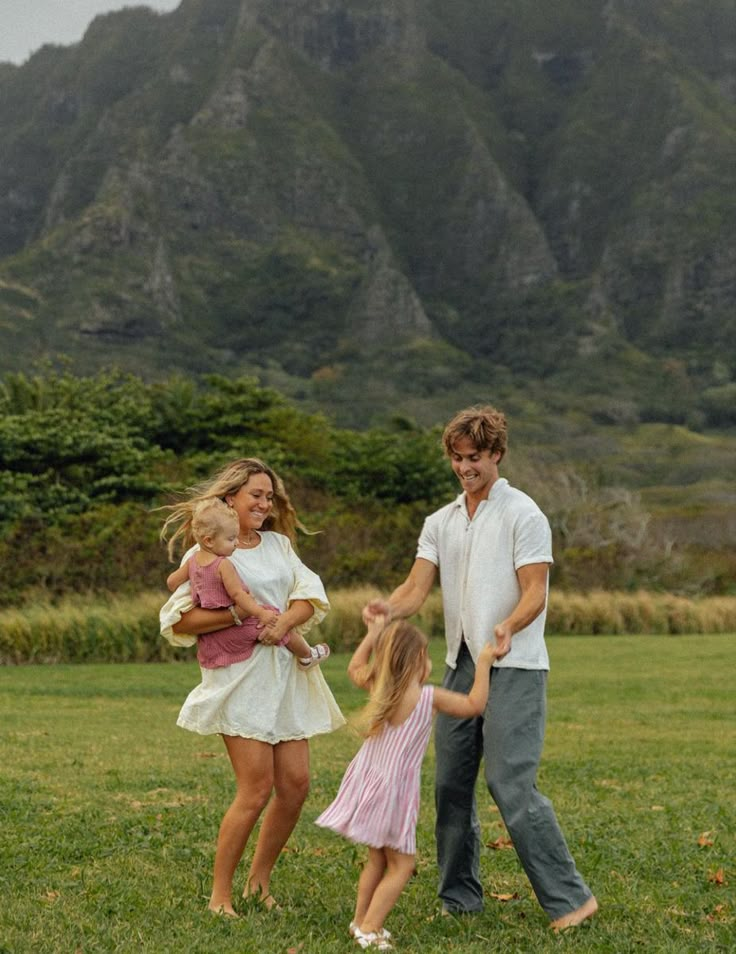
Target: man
pixel 492 548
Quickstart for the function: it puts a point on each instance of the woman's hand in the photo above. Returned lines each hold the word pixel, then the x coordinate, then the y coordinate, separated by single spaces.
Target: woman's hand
pixel 274 632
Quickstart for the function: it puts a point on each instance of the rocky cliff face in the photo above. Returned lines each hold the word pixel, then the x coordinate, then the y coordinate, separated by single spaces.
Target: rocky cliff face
pixel 255 181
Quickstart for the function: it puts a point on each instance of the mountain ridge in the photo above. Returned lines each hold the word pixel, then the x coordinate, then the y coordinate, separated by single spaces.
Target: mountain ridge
pixel 482 192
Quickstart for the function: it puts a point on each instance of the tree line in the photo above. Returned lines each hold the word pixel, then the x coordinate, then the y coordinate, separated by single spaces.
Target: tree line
pixel 86 461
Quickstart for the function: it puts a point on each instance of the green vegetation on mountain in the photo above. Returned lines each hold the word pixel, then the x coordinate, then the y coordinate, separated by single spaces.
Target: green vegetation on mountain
pixel 442 194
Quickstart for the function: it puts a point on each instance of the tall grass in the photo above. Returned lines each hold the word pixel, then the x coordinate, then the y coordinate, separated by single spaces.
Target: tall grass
pixel 126 630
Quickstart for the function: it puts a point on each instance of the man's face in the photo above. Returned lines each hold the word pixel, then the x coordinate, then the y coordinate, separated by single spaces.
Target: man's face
pixel 476 469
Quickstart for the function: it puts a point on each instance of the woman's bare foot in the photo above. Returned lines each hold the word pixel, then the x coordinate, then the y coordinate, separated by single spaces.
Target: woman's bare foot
pixel 255 893
pixel 576 917
pixel 225 910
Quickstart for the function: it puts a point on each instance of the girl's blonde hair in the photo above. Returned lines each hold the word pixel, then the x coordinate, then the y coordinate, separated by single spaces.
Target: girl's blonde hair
pixel 399 656
pixel 177 528
pixel 212 516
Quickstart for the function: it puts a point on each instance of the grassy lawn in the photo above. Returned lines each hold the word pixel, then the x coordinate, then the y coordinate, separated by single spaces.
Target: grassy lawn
pixel 109 815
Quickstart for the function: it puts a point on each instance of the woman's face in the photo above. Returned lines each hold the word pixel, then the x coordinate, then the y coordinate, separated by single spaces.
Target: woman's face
pixel 253 502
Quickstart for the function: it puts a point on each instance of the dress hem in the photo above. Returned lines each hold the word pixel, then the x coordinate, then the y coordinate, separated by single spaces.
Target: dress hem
pixel 230 732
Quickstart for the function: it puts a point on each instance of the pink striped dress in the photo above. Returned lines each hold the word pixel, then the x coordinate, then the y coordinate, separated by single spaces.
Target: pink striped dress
pixel 377 803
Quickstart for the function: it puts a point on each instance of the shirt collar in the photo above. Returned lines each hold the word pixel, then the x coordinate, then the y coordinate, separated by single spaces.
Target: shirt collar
pixel 496 490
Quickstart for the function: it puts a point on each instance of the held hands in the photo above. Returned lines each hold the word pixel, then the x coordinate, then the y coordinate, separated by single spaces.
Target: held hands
pixel 488 655
pixel 375 625
pixel 376 608
pixel 503 635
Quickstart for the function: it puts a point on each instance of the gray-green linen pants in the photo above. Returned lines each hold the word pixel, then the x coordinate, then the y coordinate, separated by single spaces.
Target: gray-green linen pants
pixel 509 738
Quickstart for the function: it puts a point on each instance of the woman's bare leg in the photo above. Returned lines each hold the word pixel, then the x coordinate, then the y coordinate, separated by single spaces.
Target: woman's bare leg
pixel 253 764
pixel 291 786
pixel 399 868
pixel 370 877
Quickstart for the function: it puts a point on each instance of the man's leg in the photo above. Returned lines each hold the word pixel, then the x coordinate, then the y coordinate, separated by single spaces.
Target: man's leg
pixel 459 747
pixel 513 738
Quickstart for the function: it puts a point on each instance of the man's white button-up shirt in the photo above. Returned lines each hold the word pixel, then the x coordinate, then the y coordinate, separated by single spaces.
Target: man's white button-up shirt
pixel 477 561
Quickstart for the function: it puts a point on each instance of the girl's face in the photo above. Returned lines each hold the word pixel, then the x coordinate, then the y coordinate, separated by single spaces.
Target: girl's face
pixel 224 542
pixel 253 502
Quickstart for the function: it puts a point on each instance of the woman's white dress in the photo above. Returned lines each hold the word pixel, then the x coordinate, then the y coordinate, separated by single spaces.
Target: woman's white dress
pixel 268 697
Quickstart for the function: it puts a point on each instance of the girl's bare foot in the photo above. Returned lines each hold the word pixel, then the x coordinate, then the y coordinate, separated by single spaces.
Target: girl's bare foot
pixel 576 917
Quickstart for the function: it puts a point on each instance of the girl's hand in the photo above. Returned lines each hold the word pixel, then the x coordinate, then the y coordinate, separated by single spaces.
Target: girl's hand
pixel 488 655
pixel 376 608
pixel 268 618
pixel 375 626
pixel 275 632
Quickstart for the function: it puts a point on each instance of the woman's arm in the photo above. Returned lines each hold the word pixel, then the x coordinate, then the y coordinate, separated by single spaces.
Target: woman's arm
pixel 198 621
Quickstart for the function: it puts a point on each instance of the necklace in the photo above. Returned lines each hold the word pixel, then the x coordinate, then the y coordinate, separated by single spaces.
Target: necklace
pixel 251 540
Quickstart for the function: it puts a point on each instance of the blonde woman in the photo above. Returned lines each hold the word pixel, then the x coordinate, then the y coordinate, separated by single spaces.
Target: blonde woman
pixel 264 707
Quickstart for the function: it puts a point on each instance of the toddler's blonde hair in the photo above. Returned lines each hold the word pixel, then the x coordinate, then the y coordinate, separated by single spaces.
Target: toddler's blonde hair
pixel 212 516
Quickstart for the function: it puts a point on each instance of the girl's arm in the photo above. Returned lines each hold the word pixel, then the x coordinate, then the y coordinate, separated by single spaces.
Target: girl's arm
pixel 467 706
pixel 297 612
pixel 175 579
pixel 245 602
pixel 358 665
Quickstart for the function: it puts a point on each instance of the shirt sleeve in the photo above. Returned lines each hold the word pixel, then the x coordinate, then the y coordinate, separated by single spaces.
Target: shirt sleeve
pixel 428 547
pixel 307 586
pixel 174 608
pixel 533 541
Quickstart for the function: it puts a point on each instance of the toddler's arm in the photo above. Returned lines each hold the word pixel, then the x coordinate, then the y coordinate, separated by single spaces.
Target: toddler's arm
pixel 175 579
pixel 243 600
pixel 358 667
pixel 466 706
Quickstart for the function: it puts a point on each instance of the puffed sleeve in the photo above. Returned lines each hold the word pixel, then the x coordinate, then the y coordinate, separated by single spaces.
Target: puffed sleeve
pixel 174 608
pixel 307 586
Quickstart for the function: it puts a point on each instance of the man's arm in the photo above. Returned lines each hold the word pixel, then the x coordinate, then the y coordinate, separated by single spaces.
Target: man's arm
pixel 408 597
pixel 533 582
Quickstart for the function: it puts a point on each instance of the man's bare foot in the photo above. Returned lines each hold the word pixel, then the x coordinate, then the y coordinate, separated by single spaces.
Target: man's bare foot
pixel 576 917
pixel 225 910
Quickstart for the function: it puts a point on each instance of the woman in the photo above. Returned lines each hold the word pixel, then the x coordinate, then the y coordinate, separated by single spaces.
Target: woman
pixel 265 707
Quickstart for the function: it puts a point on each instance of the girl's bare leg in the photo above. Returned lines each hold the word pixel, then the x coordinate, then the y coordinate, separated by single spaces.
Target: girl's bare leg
pixel 253 764
pixel 369 879
pixel 291 786
pixel 399 868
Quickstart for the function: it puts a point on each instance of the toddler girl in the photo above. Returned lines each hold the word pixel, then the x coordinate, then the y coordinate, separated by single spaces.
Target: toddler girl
pixel 378 800
pixel 216 585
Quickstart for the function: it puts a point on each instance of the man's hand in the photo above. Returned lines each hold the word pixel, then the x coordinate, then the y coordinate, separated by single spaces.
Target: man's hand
pixel 503 635
pixel 374 609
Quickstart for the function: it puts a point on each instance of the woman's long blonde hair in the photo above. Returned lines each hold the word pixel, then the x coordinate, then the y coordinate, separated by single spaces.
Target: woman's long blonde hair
pixel 177 528
pixel 399 656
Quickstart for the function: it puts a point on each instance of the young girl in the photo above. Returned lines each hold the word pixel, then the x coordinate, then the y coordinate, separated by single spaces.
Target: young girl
pixel 216 585
pixel 378 800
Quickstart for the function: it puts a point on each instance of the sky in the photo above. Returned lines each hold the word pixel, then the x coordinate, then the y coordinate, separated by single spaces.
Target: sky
pixel 25 25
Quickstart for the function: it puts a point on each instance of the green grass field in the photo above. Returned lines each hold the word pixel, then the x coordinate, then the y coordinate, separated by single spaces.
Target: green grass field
pixel 110 812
